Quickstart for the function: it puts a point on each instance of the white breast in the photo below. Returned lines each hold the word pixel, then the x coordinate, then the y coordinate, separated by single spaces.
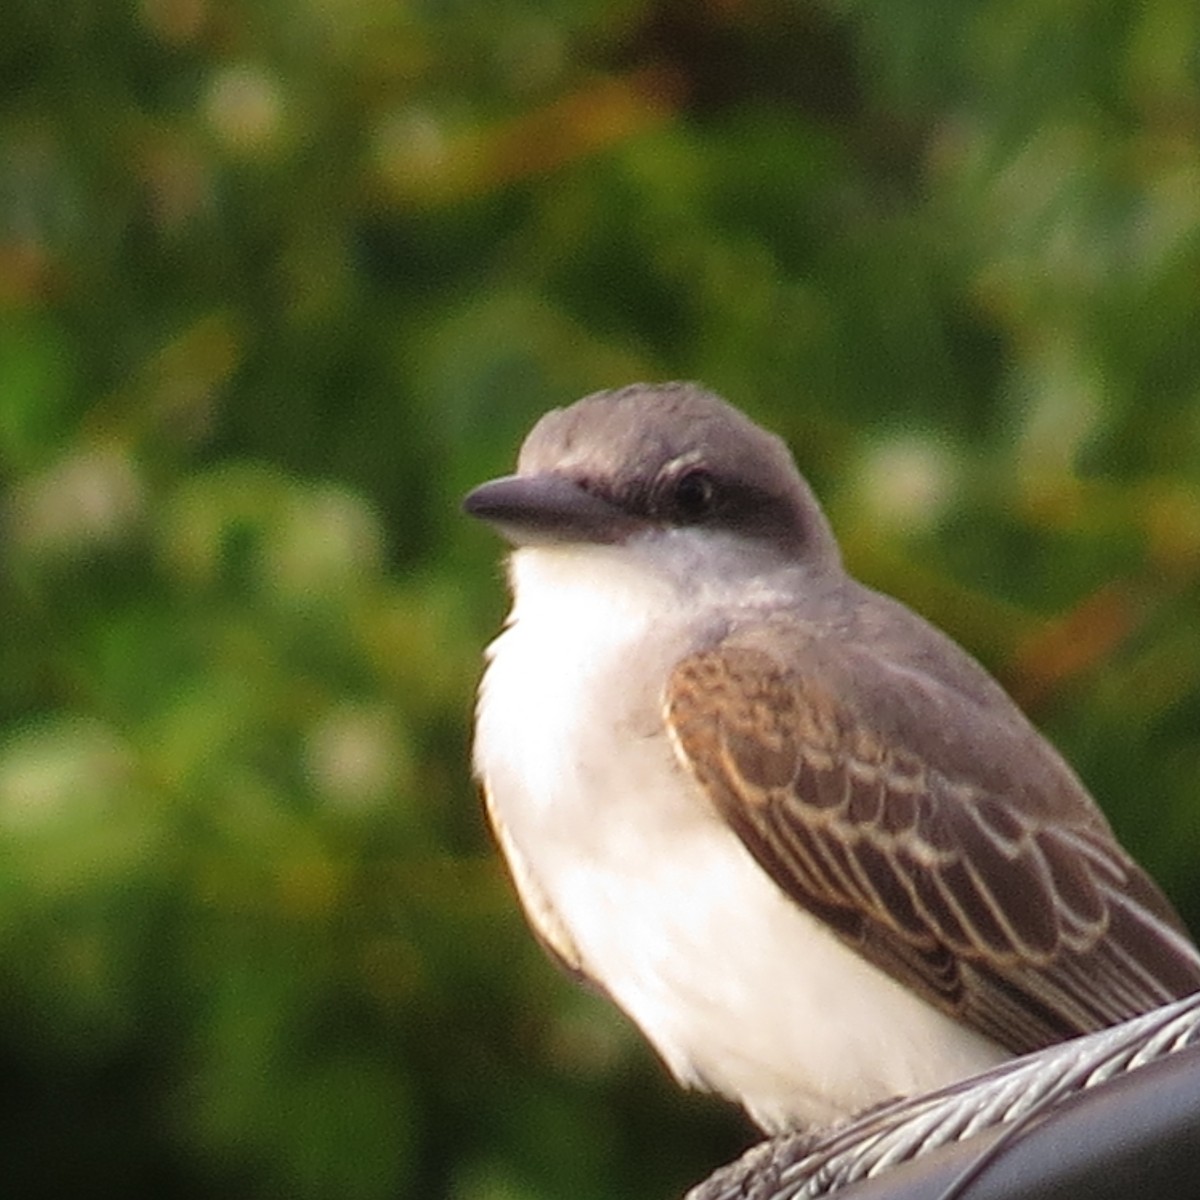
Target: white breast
pixel 737 988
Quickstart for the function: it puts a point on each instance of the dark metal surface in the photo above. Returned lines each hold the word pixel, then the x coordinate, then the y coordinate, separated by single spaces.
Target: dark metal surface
pixel 1135 1136
pixel 1116 1113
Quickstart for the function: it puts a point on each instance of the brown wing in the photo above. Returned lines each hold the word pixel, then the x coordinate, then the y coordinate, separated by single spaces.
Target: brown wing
pixel 942 839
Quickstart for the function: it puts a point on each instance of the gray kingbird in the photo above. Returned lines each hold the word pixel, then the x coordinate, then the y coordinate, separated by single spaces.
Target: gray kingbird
pixel 798 835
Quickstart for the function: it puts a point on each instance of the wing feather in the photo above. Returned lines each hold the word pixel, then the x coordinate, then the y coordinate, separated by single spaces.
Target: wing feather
pixel 896 814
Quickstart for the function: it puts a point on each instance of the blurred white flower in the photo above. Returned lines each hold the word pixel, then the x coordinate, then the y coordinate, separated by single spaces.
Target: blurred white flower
pixel 353 755
pixel 91 499
pixel 327 538
pixel 243 106
pixel 907 481
pixel 62 768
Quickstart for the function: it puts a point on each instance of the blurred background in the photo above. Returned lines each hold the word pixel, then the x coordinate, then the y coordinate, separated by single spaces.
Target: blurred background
pixel 281 279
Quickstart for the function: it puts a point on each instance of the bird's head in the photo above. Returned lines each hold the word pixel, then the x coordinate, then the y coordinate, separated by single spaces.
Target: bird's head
pixel 670 471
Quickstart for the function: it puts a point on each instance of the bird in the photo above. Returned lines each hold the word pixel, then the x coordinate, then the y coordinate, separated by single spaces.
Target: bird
pixel 806 843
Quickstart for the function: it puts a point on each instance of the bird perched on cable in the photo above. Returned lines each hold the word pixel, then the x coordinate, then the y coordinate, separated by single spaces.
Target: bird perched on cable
pixel 798 835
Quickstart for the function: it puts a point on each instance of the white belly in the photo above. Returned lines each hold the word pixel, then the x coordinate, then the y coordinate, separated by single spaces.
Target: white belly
pixel 737 988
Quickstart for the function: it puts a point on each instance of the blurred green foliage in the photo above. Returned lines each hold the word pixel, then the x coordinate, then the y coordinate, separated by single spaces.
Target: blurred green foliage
pixel 279 280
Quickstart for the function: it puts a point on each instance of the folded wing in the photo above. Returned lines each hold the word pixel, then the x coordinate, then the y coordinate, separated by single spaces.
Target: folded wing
pixel 939 840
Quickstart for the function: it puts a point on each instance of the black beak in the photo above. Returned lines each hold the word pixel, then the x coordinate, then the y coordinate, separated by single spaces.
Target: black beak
pixel 531 509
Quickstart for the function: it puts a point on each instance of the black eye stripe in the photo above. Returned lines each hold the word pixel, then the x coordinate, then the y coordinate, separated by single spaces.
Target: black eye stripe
pixel 694 493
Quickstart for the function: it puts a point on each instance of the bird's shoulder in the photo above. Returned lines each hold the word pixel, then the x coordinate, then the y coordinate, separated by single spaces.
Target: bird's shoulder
pixel 858 672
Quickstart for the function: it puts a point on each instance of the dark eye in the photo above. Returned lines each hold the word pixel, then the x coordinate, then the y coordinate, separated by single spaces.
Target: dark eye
pixel 694 495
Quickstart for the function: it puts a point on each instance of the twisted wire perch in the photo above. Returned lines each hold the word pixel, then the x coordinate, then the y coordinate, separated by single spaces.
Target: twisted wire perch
pixel 962 1140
